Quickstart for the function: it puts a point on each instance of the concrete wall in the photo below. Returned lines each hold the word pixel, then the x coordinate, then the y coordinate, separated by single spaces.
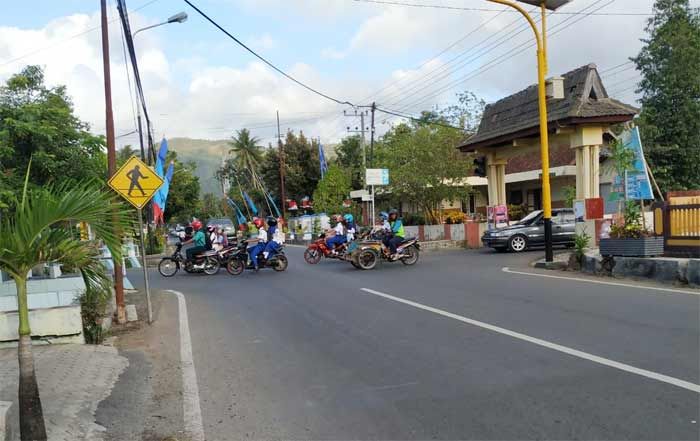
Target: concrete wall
pixel 50 322
pixel 43 293
pixel 468 234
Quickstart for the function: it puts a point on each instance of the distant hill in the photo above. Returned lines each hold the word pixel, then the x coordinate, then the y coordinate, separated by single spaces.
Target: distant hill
pixel 207 154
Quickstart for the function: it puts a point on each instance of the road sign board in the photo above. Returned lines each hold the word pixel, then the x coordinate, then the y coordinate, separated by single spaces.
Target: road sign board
pixel 377 176
pixel 136 182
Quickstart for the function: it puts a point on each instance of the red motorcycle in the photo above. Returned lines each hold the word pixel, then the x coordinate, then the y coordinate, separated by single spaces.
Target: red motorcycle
pixel 318 249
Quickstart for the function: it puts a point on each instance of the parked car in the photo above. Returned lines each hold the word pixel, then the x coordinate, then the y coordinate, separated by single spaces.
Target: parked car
pixel 529 232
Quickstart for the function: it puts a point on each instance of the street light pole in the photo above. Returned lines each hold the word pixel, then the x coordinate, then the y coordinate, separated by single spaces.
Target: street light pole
pixel 541 39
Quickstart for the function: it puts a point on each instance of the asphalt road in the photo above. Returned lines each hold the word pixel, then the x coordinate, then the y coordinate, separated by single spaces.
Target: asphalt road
pixel 309 354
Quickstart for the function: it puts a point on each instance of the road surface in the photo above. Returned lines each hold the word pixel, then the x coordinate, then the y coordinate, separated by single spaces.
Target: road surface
pixel 452 348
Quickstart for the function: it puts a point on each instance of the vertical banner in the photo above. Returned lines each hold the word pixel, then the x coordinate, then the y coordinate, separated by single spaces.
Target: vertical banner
pixel 637 183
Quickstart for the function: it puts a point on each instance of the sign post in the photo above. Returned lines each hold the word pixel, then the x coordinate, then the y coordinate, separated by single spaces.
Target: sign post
pixel 375 176
pixel 137 183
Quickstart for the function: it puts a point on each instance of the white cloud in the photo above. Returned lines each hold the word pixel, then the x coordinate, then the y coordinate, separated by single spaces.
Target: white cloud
pixel 333 54
pixel 263 42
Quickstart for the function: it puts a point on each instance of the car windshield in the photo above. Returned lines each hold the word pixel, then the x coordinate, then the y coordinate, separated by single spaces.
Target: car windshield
pixel 527 220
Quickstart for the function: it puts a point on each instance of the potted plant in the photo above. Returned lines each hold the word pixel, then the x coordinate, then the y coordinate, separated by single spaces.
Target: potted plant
pixel 629 238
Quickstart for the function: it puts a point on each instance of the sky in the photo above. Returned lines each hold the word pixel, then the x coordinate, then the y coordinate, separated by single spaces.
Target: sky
pixel 200 84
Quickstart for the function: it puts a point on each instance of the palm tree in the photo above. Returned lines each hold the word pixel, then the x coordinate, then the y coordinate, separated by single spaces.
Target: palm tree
pixel 38 232
pixel 247 151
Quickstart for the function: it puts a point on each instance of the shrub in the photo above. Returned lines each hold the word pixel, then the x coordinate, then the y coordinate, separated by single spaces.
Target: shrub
pixel 93 304
pixel 581 242
pixel 516 212
pixel 632 226
pixel 413 219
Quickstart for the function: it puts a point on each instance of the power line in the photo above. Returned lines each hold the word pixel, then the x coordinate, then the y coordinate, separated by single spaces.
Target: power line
pixel 413 118
pixel 616 67
pixel 87 31
pixel 263 59
pixel 461 8
pixel 503 57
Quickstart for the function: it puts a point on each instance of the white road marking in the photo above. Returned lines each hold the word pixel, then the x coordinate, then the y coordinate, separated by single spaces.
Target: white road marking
pixel 601 282
pixel 566 350
pixel 190 391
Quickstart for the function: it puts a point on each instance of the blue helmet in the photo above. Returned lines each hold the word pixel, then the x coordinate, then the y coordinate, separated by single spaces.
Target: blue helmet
pixel 348 218
pixel 384 215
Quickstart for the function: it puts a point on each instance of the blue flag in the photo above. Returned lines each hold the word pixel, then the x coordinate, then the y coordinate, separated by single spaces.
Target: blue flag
pixel 160 161
pixel 165 188
pixel 239 215
pixel 322 160
pixel 250 203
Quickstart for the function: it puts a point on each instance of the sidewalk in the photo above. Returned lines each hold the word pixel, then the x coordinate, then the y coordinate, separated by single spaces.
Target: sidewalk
pixel 73 379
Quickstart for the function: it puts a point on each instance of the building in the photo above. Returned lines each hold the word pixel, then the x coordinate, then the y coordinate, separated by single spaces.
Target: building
pixel 580 114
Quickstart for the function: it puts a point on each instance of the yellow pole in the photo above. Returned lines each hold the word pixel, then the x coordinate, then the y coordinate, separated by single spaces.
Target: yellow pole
pixel 541 40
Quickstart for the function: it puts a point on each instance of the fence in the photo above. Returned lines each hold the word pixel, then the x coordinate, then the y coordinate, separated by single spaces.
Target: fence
pixel 678 220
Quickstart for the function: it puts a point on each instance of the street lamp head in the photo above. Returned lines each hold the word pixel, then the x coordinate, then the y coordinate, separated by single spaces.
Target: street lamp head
pixel 549 4
pixel 178 18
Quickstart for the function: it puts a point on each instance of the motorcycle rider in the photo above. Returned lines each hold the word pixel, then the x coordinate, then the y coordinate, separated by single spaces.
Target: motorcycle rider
pixel 277 237
pixel 199 239
pixel 257 245
pixel 338 232
pixel 397 234
pixel 350 227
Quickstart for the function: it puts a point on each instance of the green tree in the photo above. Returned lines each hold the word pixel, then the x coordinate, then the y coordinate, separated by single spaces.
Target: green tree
pixel 183 197
pixel 670 118
pixel 332 190
pixel 425 167
pixel 125 153
pixel 466 113
pixel 211 207
pixel 38 122
pixel 350 159
pixel 246 151
pixel 37 232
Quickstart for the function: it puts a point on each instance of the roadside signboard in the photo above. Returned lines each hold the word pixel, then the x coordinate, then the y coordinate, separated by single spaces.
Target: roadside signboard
pixel 377 176
pixel 637 182
pixel 136 182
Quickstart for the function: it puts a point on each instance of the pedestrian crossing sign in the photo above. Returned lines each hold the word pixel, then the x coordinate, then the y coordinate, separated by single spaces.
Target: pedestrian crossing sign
pixel 136 182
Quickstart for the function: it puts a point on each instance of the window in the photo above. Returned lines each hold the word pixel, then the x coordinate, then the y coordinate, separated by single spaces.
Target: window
pixel 515 197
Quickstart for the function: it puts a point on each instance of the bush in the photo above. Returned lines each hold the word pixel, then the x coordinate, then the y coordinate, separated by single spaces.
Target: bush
pixel 454 217
pixel 413 219
pixel 93 304
pixel 155 242
pixel 581 242
pixel 632 226
pixel 516 212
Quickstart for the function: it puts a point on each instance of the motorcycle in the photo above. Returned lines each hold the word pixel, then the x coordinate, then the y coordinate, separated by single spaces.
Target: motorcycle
pixel 370 252
pixel 318 249
pixel 206 262
pixel 238 260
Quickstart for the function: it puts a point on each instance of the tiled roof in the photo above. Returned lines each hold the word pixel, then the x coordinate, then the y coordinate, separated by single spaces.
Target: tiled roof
pixel 584 97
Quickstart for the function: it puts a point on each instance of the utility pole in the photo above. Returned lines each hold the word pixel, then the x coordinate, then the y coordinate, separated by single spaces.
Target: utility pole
pixel 283 199
pixel 111 154
pixel 361 130
pixel 371 139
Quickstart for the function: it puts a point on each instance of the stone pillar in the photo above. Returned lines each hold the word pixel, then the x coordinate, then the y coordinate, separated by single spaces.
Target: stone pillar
pixel 587 141
pixel 496 176
pixel 594 151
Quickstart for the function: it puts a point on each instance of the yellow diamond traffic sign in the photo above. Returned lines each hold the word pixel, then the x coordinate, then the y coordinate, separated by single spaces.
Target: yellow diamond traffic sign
pixel 136 182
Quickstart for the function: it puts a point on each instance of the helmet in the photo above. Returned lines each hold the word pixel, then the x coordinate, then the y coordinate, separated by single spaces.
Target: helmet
pixel 211 228
pixel 348 217
pixel 384 215
pixel 197 225
pixel 258 222
pixel 393 211
pixel 271 221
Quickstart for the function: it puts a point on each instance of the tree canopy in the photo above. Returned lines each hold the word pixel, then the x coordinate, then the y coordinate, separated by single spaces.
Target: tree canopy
pixel 38 122
pixel 670 118
pixel 332 191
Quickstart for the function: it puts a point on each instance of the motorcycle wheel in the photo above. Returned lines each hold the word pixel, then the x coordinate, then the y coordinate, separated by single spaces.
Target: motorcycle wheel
pixel 367 259
pixel 411 255
pixel 168 267
pixel 211 266
pixel 235 267
pixel 354 263
pixel 312 256
pixel 281 263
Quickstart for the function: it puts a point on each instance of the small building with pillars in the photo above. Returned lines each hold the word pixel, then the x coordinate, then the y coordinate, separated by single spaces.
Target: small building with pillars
pixel 580 114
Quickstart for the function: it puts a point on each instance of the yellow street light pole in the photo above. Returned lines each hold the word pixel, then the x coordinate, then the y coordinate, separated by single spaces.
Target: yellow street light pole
pixel 541 38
